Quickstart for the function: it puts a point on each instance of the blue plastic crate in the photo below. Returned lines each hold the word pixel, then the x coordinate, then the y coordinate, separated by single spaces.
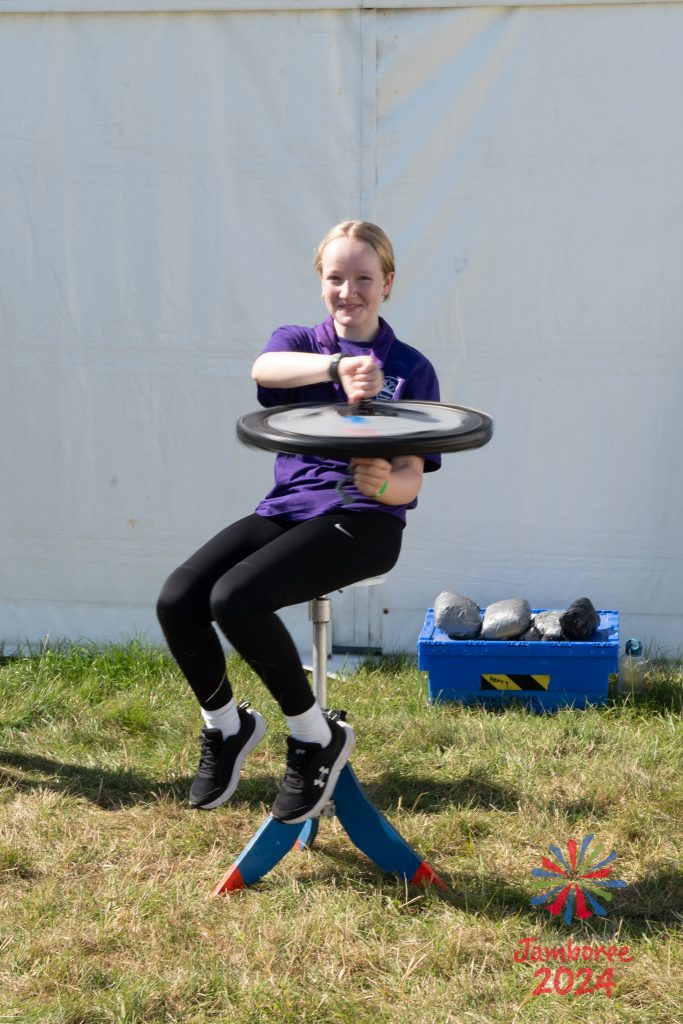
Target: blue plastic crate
pixel 544 675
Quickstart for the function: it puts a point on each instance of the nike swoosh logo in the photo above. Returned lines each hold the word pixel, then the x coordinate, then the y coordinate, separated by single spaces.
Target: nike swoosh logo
pixel 338 526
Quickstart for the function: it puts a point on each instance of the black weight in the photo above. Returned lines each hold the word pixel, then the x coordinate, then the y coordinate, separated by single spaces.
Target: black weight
pixel 373 430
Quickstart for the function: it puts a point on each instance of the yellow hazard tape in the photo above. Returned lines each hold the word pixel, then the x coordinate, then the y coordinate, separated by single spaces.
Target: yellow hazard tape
pixel 514 682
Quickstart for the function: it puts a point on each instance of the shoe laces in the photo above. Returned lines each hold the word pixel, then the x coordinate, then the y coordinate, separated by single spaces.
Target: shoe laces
pixel 297 760
pixel 209 749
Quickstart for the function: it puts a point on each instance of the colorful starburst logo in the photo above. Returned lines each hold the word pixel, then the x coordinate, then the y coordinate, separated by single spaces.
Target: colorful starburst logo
pixel 583 875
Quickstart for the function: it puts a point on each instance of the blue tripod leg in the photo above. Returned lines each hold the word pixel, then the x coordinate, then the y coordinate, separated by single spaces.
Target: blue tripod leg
pixel 270 844
pixel 309 831
pixel 370 831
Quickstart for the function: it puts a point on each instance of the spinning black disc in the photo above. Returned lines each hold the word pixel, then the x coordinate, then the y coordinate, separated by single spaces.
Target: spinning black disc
pixel 371 430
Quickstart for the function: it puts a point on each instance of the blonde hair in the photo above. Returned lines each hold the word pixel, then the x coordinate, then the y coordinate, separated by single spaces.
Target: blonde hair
pixel 364 231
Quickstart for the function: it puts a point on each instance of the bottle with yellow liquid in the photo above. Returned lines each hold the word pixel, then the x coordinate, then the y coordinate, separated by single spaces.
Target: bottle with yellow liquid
pixel 633 667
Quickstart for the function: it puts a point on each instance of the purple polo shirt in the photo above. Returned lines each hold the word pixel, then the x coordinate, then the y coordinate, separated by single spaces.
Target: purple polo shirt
pixel 305 485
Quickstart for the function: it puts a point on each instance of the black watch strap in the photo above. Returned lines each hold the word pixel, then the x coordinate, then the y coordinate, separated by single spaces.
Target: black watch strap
pixel 334 366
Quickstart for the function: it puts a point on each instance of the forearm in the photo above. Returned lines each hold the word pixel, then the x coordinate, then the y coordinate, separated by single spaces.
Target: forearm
pixel 360 376
pixel 403 485
pixel 291 369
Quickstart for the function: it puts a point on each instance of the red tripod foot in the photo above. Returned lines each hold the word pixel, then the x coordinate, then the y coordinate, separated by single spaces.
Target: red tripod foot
pixel 267 848
pixel 370 831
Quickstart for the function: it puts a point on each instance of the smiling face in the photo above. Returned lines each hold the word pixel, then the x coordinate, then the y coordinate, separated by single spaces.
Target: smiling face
pixel 353 286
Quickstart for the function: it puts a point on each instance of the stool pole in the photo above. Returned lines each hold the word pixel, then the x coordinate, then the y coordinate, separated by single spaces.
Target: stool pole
pixel 320 614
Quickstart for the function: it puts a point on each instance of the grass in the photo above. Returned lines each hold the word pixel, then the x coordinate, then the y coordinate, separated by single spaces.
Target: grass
pixel 105 873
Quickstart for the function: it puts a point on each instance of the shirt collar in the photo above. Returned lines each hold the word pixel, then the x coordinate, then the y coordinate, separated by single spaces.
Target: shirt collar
pixel 379 348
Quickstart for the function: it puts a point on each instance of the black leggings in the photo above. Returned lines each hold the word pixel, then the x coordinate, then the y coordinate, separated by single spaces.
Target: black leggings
pixel 248 571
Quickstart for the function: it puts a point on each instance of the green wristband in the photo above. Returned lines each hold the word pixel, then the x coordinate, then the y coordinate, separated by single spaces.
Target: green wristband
pixel 382 489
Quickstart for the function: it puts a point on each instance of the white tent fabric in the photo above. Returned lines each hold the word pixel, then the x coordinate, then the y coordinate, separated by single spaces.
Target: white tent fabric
pixel 202 6
pixel 164 178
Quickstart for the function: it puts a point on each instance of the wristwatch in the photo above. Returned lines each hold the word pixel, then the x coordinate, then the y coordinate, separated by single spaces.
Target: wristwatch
pixel 334 366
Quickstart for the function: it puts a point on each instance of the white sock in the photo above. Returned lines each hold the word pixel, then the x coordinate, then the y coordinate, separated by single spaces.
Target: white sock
pixel 226 719
pixel 311 727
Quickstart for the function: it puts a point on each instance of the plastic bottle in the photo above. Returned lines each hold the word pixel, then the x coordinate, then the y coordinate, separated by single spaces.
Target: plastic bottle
pixel 632 668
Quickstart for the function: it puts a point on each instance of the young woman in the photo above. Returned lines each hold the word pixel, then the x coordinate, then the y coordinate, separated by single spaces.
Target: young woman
pixel 302 540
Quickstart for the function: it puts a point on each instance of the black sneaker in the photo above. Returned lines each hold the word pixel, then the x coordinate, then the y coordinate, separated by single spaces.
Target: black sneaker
pixel 221 760
pixel 311 775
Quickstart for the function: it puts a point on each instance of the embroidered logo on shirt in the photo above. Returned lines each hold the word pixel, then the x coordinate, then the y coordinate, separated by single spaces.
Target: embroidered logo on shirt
pixel 390 386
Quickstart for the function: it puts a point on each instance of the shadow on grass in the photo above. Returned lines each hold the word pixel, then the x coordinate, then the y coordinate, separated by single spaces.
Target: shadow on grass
pixel 656 897
pixel 490 896
pixel 108 788
pixel 112 789
pixel 647 906
pixel 425 795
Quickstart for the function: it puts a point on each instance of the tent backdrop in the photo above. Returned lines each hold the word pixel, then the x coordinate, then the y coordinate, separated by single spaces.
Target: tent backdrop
pixel 165 174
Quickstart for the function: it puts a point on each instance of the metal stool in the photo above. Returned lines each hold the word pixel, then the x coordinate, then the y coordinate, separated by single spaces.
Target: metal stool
pixel 366 827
